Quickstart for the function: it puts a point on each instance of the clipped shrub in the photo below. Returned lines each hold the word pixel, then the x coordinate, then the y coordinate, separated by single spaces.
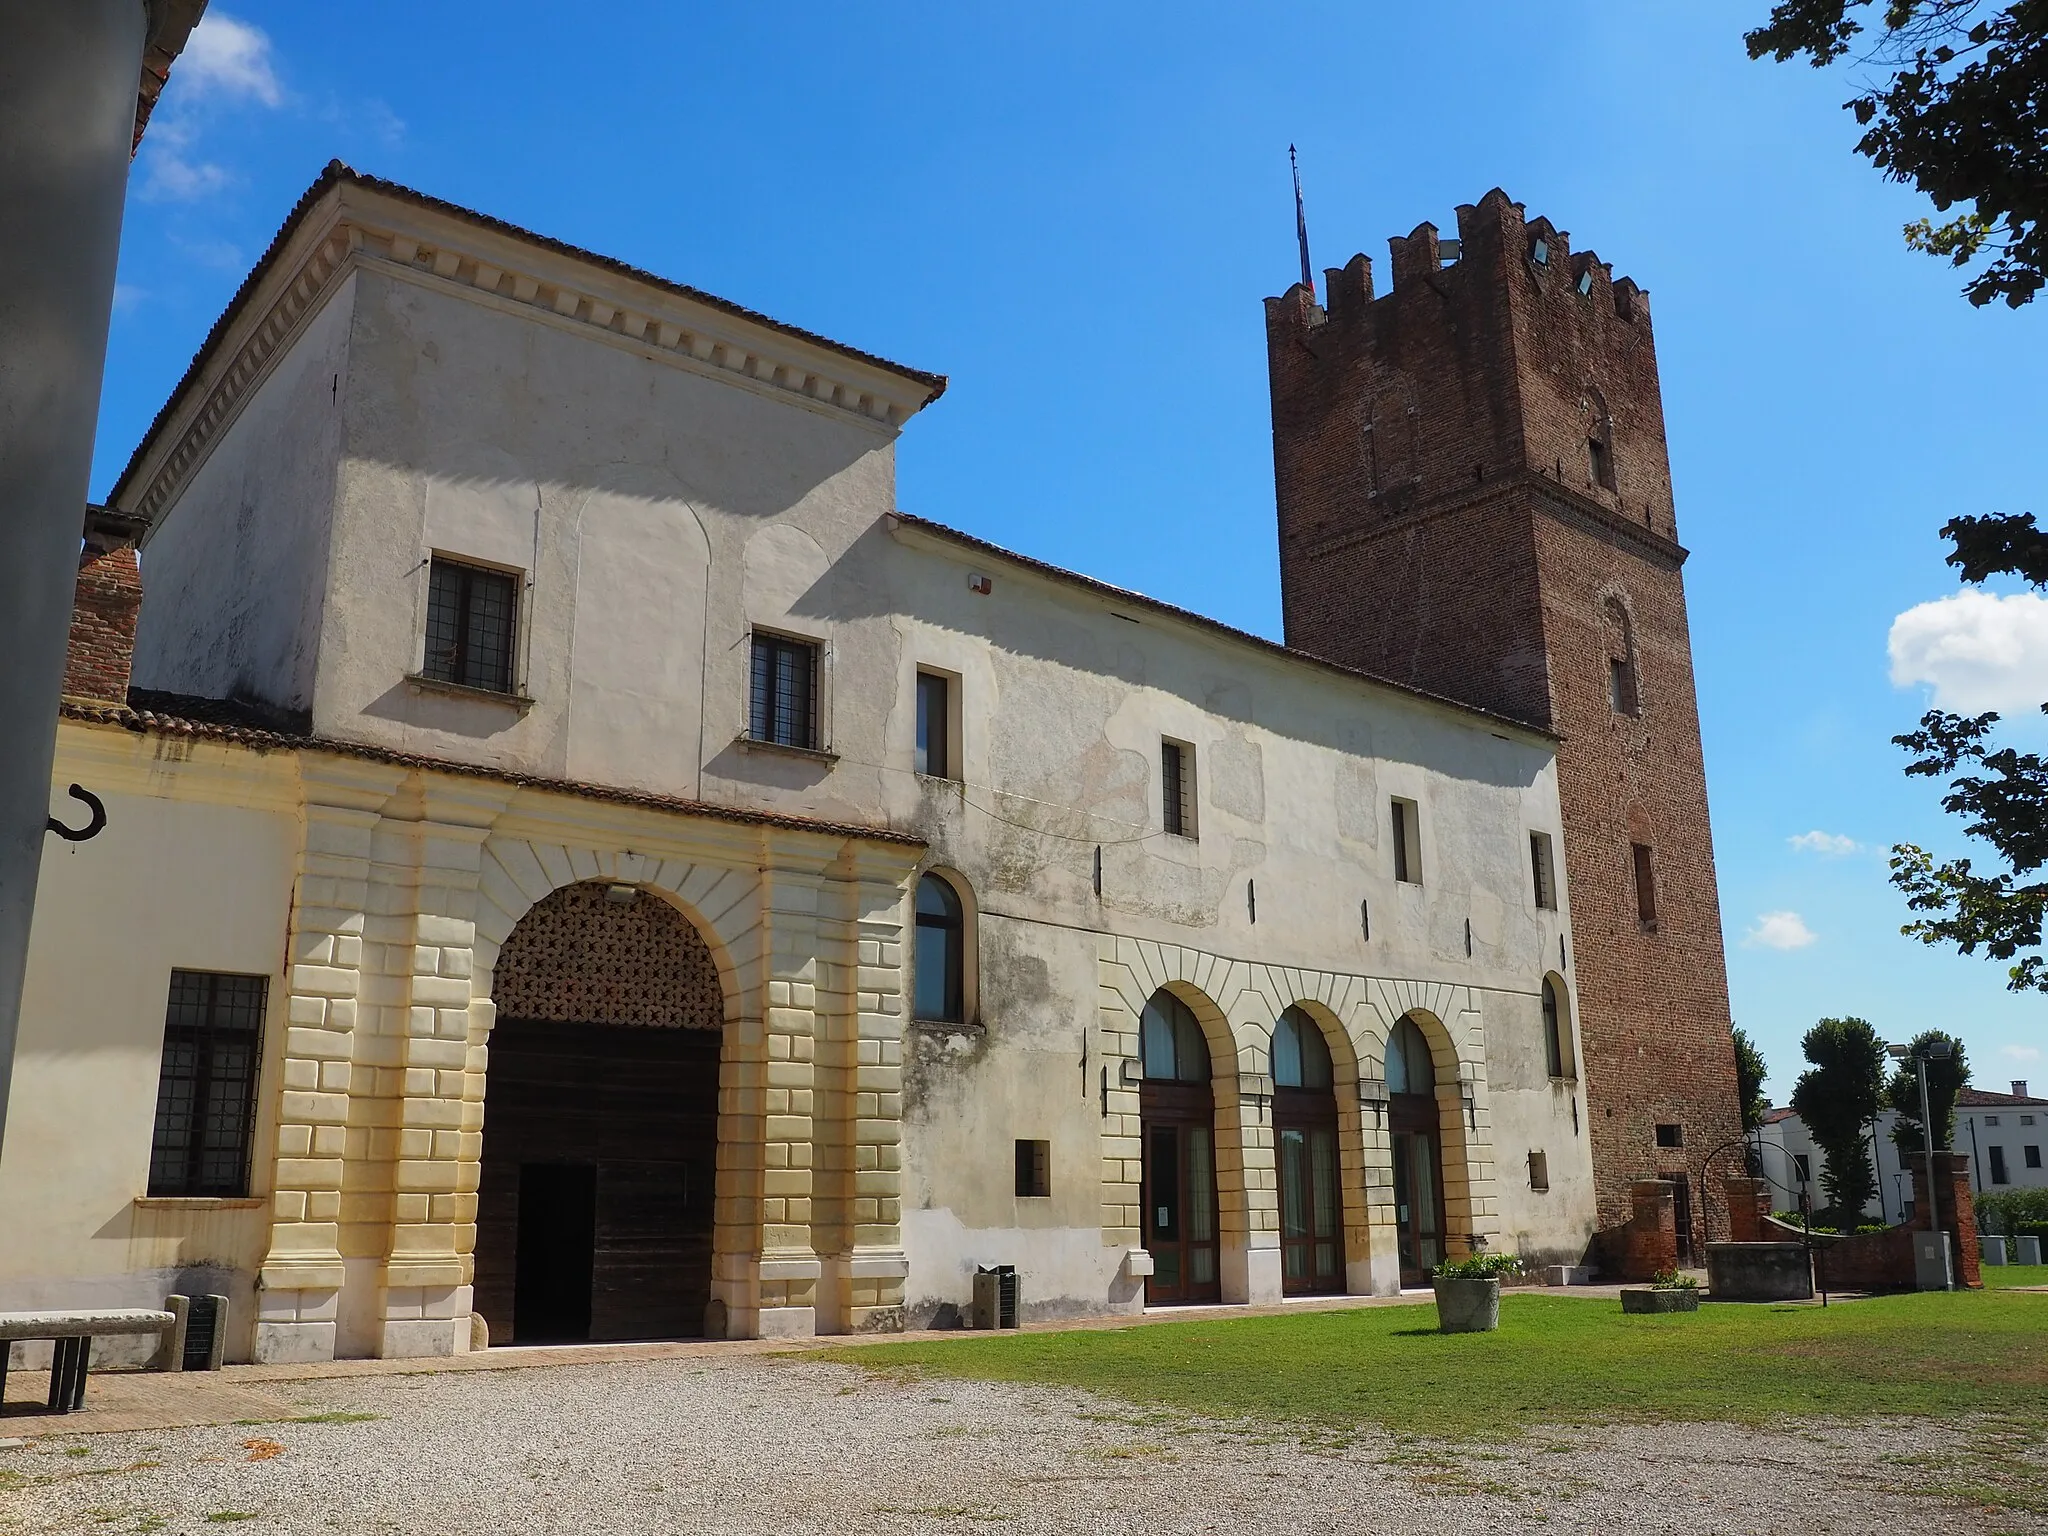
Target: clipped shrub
pixel 1480 1266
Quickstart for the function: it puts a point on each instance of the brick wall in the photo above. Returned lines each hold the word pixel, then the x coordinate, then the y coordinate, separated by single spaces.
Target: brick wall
pixel 104 608
pixel 1445 521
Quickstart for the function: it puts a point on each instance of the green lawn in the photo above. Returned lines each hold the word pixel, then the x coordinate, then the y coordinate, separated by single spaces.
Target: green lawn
pixel 1555 1360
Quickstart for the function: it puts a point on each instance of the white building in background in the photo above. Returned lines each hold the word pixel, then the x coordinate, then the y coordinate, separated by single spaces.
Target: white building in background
pixel 582 863
pixel 2003 1134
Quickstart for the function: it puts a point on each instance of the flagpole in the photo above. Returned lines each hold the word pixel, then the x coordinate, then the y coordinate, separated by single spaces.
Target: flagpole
pixel 1308 279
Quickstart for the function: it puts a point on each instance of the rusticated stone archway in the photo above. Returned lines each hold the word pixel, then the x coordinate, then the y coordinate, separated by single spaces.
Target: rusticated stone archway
pixel 597 1197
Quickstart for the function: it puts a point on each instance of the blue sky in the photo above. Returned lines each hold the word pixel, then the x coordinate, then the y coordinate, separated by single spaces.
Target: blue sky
pixel 1075 210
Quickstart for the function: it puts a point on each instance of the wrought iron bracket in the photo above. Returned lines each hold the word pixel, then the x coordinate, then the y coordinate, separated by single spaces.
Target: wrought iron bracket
pixel 92 828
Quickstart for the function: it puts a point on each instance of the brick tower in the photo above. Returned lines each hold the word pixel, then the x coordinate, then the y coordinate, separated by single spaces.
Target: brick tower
pixel 1475 498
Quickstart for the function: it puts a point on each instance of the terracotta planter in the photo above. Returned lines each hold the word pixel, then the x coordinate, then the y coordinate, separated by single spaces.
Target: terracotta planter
pixel 1468 1306
pixel 1644 1299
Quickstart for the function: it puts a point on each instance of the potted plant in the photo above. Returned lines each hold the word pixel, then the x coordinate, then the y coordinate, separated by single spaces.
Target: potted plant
pixel 1468 1291
pixel 1669 1292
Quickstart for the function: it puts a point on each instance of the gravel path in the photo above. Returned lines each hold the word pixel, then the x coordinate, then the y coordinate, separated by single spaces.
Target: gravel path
pixel 791 1447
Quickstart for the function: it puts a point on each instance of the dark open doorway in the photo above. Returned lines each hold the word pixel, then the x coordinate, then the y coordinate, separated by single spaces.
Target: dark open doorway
pixel 557 1242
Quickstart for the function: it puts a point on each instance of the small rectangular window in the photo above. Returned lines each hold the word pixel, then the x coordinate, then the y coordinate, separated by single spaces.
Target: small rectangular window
pixel 1802 1168
pixel 1998 1173
pixel 1177 786
pixel 1621 686
pixel 206 1092
pixel 783 706
pixel 1034 1168
pixel 1600 460
pixel 1670 1135
pixel 2032 1156
pixel 1646 885
pixel 934 725
pixel 1539 1171
pixel 2026 1119
pixel 1539 864
pixel 1991 1119
pixel 471 616
pixel 1407 842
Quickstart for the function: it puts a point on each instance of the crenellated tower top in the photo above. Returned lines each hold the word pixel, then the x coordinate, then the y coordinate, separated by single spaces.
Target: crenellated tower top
pixel 1498 353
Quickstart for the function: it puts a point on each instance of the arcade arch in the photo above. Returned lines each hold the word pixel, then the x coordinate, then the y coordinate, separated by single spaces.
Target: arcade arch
pixel 596 1201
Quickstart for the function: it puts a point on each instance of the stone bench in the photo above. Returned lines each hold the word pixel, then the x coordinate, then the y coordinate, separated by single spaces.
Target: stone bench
pixel 73 1332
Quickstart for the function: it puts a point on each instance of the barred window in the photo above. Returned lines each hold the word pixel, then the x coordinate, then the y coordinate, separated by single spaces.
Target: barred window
pixel 783 707
pixel 470 620
pixel 206 1096
pixel 1177 786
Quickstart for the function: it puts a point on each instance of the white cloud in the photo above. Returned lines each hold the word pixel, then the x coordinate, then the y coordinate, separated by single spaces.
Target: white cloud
pixel 1831 845
pixel 2020 1052
pixel 228 59
pixel 127 298
pixel 1779 930
pixel 174 179
pixel 226 63
pixel 221 255
pixel 1978 650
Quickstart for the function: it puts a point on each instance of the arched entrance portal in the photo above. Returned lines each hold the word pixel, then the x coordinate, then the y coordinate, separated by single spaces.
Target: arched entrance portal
pixel 1413 1122
pixel 594 1214
pixel 1177 1110
pixel 1305 1137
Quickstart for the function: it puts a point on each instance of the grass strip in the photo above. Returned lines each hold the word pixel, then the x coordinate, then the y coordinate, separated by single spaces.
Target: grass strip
pixel 1555 1360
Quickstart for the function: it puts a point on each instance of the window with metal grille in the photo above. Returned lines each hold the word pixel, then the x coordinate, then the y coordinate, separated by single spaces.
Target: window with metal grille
pixel 471 616
pixel 934 725
pixel 1540 866
pixel 783 707
pixel 1177 786
pixel 1034 1168
pixel 206 1095
pixel 1646 884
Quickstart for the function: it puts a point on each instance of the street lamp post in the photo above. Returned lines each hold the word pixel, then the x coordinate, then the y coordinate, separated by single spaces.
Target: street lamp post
pixel 1937 1049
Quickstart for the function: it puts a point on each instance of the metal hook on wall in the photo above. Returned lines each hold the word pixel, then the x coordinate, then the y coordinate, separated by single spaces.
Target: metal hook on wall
pixel 92 828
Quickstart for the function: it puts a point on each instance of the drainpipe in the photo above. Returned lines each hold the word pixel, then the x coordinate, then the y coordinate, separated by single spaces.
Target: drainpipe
pixel 69 78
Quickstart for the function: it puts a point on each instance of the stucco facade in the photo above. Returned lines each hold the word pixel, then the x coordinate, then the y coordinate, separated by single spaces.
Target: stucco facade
pixel 666 477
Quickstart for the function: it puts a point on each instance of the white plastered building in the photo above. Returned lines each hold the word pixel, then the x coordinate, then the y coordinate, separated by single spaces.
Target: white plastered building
pixel 582 862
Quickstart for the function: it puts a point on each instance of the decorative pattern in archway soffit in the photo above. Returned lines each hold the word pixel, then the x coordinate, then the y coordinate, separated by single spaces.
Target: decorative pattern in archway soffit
pixel 580 958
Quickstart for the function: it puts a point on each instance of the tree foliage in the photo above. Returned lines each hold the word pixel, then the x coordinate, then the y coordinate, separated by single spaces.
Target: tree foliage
pixel 1750 1073
pixel 1837 1097
pixel 1957 108
pixel 1945 1078
pixel 2003 794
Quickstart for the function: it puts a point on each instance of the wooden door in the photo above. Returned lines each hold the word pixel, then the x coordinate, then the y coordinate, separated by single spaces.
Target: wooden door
pixel 1179 1191
pixel 1311 1206
pixel 1418 1185
pixel 637 1109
